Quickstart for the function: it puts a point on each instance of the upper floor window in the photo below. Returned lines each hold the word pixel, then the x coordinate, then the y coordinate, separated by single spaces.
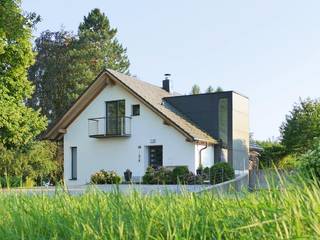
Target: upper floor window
pixel 135 110
pixel 223 120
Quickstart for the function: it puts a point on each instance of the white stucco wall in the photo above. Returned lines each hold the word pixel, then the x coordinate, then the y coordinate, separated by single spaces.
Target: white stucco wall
pixel 121 153
pixel 240 132
pixel 207 155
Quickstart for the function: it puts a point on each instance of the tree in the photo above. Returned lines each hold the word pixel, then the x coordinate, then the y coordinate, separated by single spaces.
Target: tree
pixel 66 64
pixel 18 123
pixel 195 89
pixel 301 126
pixel 219 89
pixel 51 73
pixel 210 89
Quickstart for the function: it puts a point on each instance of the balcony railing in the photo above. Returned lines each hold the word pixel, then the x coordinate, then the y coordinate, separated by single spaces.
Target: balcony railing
pixel 105 127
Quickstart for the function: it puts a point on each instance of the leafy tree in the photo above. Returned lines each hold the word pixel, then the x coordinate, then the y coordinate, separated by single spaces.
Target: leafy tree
pixel 18 123
pixel 51 73
pixel 301 126
pixel 195 89
pixel 67 64
pixel 210 89
pixel 219 89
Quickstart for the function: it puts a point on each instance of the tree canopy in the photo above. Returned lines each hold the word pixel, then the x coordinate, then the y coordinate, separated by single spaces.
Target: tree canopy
pixel 301 127
pixel 66 64
pixel 18 124
pixel 195 89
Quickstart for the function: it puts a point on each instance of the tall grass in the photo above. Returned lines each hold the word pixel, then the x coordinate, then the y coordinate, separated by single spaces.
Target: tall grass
pixel 284 213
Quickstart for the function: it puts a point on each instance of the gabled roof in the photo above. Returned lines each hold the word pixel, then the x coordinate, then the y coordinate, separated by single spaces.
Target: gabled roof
pixel 149 94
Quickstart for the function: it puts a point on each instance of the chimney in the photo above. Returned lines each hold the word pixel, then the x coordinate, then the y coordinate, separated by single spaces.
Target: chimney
pixel 166 82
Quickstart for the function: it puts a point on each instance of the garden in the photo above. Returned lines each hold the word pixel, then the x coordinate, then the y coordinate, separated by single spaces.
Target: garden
pixel 218 173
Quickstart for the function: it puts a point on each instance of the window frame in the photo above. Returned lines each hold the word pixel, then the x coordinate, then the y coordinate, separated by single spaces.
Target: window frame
pixel 133 113
pixel 74 163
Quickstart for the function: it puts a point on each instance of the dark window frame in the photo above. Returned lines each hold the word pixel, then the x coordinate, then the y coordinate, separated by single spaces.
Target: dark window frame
pixel 74 163
pixel 133 110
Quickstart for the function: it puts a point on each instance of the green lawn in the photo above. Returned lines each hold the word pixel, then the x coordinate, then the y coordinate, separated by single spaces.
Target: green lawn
pixel 290 213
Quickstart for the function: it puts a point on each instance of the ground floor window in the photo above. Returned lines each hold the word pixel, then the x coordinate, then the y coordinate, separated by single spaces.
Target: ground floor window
pixel 155 156
pixel 73 163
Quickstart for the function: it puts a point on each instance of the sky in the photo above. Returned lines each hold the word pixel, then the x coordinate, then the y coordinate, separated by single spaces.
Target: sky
pixel 267 50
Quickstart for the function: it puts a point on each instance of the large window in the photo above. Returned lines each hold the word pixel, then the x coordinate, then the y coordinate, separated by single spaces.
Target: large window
pixel 115 119
pixel 74 163
pixel 223 120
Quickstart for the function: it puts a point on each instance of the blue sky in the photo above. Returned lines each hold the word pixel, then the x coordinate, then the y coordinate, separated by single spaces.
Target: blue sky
pixel 267 50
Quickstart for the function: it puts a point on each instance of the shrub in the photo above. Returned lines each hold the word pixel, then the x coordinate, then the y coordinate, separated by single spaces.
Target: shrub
pixel 36 161
pixel 272 153
pixel 157 176
pixel 309 163
pixel 180 174
pixel 105 177
pixel 221 172
pixel 288 162
pixel 163 175
pixel 10 181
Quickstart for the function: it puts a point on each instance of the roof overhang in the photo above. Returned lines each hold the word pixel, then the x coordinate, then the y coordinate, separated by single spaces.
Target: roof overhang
pixel 105 78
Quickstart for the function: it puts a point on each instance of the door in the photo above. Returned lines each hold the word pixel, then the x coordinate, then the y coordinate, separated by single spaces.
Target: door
pixel 115 113
pixel 155 156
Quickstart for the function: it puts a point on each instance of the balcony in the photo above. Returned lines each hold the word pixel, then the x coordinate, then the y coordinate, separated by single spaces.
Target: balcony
pixel 107 127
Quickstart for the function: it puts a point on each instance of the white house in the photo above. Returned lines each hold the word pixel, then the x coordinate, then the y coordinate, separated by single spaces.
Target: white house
pixel 122 123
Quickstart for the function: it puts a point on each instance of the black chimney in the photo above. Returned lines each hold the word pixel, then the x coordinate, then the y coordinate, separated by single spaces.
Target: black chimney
pixel 166 82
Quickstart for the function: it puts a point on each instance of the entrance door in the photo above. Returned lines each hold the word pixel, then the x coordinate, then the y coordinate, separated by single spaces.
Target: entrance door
pixel 115 113
pixel 155 156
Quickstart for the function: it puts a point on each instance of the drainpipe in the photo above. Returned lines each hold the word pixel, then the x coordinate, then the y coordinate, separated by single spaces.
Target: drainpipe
pixel 200 162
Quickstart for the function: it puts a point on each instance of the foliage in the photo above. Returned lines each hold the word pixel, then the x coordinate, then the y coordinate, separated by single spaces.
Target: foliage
pixel 221 172
pixel 309 163
pixel 35 162
pixel 219 89
pixel 301 126
pixel 66 64
pixel 18 123
pixel 266 214
pixel 210 89
pixel 105 177
pixel 272 153
pixel 157 176
pixel 180 174
pixel 288 162
pixel 195 89
pixel 7 181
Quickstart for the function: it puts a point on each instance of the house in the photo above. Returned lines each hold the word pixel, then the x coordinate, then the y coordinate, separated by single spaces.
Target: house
pixel 121 123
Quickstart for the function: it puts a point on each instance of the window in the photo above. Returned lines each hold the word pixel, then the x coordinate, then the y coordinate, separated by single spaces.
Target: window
pixel 223 120
pixel 115 117
pixel 136 110
pixel 73 163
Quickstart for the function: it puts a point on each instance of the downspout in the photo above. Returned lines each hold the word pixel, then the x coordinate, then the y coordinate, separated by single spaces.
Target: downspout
pixel 200 156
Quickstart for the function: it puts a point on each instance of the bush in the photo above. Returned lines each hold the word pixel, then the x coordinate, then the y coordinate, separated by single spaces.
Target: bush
pixel 105 177
pixel 157 176
pixel 221 172
pixel 9 181
pixel 309 163
pixel 288 162
pixel 180 174
pixel 272 153
pixel 35 162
